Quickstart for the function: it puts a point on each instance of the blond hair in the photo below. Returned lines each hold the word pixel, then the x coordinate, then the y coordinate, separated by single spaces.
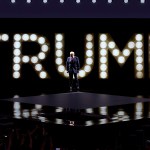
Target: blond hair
pixel 71 52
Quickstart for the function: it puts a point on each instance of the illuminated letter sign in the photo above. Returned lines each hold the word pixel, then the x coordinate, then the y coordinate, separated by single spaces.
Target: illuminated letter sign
pixel 89 55
pixel 19 59
pixel 106 44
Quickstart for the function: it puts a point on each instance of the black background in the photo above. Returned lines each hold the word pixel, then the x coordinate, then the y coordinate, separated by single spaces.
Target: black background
pixel 121 80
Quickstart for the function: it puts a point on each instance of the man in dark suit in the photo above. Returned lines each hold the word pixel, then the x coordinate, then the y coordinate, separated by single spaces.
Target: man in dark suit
pixel 73 66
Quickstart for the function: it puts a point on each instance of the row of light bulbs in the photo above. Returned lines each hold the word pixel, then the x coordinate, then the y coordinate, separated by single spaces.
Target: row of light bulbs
pixel 34 60
pixel 78 1
pixel 89 55
pixel 106 43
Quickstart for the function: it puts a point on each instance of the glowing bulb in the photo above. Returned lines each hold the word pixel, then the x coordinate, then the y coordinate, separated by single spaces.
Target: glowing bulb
pixel 16 67
pixel 103 59
pixel 139 67
pixel 17 45
pixel 126 52
pixel 89 61
pixel 87 68
pixel 115 52
pixel 139 59
pixel 121 59
pixel 103 75
pixel 59 45
pixel 25 59
pixel 41 55
pixel 61 68
pixel 5 37
pixel 89 45
pixel 139 37
pixel 16 59
pixel 17 37
pixel 43 74
pixel 89 37
pixel 103 45
pixel 103 67
pixel 89 53
pixel 38 67
pixel 33 37
pixel 25 37
pixel 139 52
pixel 59 53
pixel 103 52
pixel 111 45
pixel 103 37
pixel 82 73
pixel 41 40
pixel 131 45
pixel 58 61
pixel 17 52
pixel 16 75
pixel 59 37
pixel 139 44
pixel 44 48
pixel 34 59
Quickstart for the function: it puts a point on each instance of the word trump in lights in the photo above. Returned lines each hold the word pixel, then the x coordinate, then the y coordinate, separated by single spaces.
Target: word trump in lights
pixel 106 44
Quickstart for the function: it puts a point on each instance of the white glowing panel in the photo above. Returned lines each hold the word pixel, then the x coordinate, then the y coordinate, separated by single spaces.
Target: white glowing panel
pixel 126 1
pixel 142 1
pixel 61 1
pixel 109 1
pixel 45 1
pixel 35 61
pixel 93 1
pixel 77 1
pixel 135 44
pixel 28 1
pixel 13 1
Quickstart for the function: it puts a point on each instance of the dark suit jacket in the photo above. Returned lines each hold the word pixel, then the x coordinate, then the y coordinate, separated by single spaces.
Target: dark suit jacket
pixel 73 64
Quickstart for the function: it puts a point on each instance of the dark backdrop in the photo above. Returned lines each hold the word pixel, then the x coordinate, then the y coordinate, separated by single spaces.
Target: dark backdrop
pixel 120 82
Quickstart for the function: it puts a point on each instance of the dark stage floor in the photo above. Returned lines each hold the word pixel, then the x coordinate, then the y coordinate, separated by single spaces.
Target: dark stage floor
pixel 77 108
pixel 80 120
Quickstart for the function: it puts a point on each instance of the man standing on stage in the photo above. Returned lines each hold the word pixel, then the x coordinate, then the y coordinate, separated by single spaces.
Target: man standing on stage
pixel 73 66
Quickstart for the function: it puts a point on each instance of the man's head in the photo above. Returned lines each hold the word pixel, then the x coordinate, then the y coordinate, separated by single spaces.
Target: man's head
pixel 72 54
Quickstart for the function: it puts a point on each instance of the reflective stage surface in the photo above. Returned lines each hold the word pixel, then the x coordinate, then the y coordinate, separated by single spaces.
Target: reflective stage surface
pixel 76 120
pixel 76 108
